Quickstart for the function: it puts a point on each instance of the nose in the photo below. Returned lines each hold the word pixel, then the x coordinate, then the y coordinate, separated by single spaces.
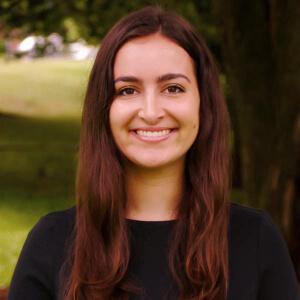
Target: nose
pixel 151 110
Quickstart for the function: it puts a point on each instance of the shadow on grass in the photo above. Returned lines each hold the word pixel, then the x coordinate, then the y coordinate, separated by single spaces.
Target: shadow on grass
pixel 37 175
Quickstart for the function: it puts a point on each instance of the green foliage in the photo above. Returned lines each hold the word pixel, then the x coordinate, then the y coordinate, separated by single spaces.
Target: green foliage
pixel 2 47
pixel 33 16
pixel 72 29
pixel 91 19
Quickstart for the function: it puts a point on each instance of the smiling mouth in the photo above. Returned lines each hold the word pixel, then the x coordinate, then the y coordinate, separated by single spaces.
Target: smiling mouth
pixel 153 134
pixel 157 133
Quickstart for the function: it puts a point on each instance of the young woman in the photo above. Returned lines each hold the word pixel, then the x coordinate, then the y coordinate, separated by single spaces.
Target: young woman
pixel 153 219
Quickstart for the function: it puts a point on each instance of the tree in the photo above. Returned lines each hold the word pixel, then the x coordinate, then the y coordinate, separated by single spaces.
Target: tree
pixel 261 46
pixel 33 16
pixel 90 18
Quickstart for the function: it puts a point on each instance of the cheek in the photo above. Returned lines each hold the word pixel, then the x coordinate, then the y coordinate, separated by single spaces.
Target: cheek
pixel 122 111
pixel 195 113
pixel 191 117
pixel 117 115
pixel 189 114
pixel 120 115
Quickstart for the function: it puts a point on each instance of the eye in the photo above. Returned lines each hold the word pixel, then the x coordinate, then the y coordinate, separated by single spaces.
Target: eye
pixel 174 89
pixel 127 91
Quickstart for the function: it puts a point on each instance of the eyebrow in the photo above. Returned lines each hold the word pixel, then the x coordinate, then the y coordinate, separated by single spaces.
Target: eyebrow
pixel 165 77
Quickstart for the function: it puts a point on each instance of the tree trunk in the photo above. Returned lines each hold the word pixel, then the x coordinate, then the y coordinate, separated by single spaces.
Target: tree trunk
pixel 261 45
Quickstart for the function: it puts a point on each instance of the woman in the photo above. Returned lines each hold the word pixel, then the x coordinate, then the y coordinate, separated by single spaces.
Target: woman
pixel 153 220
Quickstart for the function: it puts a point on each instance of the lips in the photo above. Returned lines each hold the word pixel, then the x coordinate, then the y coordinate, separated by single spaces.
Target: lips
pixel 153 134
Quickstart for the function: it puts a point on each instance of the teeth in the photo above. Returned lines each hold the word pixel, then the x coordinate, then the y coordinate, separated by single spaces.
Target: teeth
pixel 153 133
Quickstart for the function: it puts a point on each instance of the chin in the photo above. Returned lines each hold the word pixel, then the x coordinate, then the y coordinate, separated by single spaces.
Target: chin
pixel 158 163
pixel 149 164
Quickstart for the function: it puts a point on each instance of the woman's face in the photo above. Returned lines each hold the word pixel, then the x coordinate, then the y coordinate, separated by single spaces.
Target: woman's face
pixel 154 116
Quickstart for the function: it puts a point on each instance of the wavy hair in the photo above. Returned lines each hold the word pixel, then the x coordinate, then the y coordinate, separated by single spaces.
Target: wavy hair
pixel 100 253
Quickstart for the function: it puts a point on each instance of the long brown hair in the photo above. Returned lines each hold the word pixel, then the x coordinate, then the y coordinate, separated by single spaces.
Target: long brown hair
pixel 198 257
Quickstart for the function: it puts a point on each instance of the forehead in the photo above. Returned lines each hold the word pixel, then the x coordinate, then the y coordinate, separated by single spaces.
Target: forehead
pixel 150 56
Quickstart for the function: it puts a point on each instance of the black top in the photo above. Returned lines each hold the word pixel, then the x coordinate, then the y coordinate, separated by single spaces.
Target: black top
pixel 260 267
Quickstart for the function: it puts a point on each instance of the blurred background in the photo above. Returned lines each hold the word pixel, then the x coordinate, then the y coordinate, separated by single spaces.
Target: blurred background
pixel 47 49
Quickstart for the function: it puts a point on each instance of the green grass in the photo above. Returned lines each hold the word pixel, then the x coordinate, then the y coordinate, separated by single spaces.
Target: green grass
pixel 44 88
pixel 40 107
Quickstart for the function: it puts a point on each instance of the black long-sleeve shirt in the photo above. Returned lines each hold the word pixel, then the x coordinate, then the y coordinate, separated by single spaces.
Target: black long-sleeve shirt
pixel 260 267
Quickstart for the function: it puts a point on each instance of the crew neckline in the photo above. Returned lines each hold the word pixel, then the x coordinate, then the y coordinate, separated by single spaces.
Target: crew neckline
pixel 151 222
pixel 150 226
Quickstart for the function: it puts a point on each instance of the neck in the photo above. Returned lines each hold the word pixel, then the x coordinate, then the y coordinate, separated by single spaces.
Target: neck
pixel 153 194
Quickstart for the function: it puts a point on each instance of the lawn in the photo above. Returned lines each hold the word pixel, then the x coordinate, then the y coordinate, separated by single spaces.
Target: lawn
pixel 40 107
pixel 43 88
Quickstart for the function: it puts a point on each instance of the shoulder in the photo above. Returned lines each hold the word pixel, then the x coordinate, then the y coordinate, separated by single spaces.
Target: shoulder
pixel 42 256
pixel 55 225
pixel 239 212
pixel 66 217
pixel 249 220
pixel 254 230
pixel 52 230
pixel 256 226
pixel 258 254
pixel 47 242
pixel 63 219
